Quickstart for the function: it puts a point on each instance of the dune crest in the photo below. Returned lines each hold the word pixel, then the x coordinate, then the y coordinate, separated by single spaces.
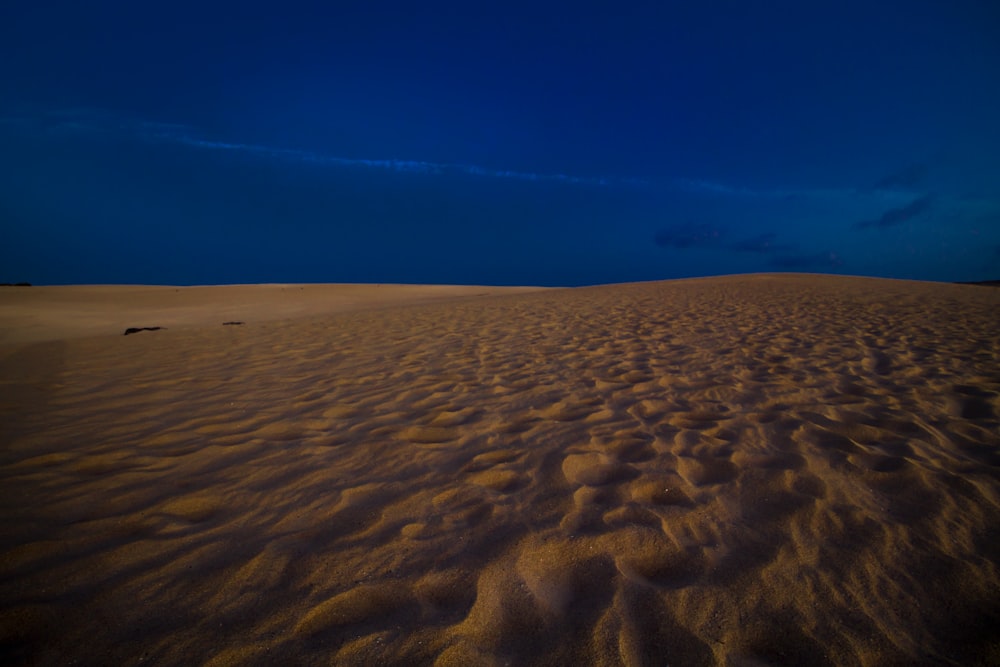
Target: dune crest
pixel 736 471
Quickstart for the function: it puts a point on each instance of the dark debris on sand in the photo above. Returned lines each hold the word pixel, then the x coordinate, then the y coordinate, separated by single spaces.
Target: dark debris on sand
pixel 132 330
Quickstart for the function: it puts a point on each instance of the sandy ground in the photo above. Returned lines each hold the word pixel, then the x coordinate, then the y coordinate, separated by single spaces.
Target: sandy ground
pixel 736 471
pixel 33 314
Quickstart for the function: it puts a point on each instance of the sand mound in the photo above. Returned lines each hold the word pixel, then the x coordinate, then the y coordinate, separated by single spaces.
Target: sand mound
pixel 734 471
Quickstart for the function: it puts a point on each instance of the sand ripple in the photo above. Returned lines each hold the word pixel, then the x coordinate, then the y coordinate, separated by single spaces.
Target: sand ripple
pixel 749 470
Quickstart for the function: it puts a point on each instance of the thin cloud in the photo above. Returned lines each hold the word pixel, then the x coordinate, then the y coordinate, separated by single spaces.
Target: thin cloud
pixel 100 122
pixel 715 188
pixel 780 255
pixel 725 190
pixel 402 166
pixel 897 216
pixel 86 120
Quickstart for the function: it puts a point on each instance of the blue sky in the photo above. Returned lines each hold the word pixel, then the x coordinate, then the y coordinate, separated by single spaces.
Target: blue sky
pixel 497 142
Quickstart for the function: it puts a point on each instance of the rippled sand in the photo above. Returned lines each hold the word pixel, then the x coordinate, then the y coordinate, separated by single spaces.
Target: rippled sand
pixel 735 471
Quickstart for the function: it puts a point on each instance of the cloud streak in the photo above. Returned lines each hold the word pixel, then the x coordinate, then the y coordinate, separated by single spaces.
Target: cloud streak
pixel 718 189
pixel 785 256
pixel 98 122
pixel 394 165
pixel 892 192
pixel 897 216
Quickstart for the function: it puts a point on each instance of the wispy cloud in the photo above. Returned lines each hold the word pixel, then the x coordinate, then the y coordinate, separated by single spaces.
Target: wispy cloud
pixel 779 255
pixel 897 216
pixel 99 122
pixel 719 190
pixel 892 194
pixel 395 165
pixel 706 187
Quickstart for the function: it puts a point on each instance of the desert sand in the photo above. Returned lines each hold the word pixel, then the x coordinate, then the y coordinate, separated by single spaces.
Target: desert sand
pixel 747 470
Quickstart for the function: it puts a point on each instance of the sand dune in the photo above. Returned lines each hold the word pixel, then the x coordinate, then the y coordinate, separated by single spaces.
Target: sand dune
pixel 73 311
pixel 736 471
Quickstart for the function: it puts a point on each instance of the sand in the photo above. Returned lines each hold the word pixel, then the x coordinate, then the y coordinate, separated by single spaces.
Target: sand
pixel 744 470
pixel 34 314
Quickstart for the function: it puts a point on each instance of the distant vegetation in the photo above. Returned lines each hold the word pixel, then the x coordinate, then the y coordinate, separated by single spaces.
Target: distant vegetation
pixel 15 284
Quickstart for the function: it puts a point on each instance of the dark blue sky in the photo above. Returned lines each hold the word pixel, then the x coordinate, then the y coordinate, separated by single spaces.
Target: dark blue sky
pixel 497 142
